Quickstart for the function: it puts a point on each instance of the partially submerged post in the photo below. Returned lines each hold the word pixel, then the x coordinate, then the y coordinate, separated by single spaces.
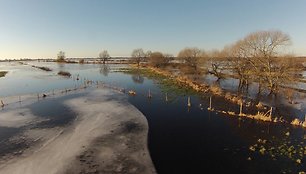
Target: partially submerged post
pixel 166 97
pixel 209 108
pixel 240 113
pixel 271 110
pixel 2 104
pixel 188 102
pixel 149 94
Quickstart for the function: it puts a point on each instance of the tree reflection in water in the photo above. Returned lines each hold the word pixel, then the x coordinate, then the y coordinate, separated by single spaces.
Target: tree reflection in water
pixel 104 70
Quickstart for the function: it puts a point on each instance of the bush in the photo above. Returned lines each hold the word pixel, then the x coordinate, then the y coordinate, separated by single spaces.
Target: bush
pixel 81 61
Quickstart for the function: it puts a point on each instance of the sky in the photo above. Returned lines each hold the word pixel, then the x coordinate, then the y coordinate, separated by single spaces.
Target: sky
pixel 83 28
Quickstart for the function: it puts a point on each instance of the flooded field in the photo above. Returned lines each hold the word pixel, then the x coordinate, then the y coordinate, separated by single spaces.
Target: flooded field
pixel 181 139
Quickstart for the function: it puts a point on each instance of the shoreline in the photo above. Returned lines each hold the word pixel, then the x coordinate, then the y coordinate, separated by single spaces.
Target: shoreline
pixel 263 111
pixel 108 135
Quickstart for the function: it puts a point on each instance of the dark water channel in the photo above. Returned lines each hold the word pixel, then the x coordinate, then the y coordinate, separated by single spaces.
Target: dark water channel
pixel 199 141
pixel 192 140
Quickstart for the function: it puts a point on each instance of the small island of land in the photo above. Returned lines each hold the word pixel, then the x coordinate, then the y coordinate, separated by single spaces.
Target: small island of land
pixel 3 73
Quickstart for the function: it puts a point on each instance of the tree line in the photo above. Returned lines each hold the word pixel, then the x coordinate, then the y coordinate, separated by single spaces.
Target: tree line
pixel 258 57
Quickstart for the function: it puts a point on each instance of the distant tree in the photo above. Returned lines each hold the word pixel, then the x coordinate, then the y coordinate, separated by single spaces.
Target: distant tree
pixel 61 57
pixel 157 59
pixel 148 54
pixel 81 61
pixel 168 58
pixel 138 56
pixel 190 57
pixel 104 56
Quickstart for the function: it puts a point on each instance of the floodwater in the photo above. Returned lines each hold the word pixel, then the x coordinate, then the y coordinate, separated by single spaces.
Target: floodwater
pixel 181 139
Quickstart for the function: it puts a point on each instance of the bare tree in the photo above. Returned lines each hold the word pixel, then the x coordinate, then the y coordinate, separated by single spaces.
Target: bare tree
pixel 61 56
pixel 138 56
pixel 104 56
pixel 237 56
pixel 168 58
pixel 157 59
pixel 216 63
pixel 263 48
pixel 191 57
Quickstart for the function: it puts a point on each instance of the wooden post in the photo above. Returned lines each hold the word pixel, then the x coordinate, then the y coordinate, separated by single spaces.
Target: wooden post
pixel 189 102
pixel 210 102
pixel 19 99
pixel 209 108
pixel 167 100
pixel 2 104
pixel 149 95
pixel 240 113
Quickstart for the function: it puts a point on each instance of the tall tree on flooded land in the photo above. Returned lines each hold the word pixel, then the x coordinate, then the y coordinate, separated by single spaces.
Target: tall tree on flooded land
pixel 216 63
pixel 104 56
pixel 190 57
pixel 61 56
pixel 237 55
pixel 138 56
pixel 157 59
pixel 259 57
pixel 264 50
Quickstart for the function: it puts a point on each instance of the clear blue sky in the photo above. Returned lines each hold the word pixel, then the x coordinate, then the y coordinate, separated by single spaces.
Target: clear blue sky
pixel 82 28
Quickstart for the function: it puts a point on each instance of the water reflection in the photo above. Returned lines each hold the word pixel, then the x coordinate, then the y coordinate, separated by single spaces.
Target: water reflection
pixel 104 70
pixel 137 78
pixel 61 66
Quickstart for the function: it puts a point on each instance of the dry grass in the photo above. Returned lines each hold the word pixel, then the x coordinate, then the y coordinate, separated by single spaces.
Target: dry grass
pixel 216 90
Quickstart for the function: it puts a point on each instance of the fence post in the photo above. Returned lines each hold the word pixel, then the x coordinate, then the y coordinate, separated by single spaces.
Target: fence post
pixel 189 102
pixel 209 108
pixel 240 113
pixel 167 98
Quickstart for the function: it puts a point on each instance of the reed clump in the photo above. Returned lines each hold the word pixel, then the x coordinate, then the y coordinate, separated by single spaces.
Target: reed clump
pixel 64 73
pixel 3 73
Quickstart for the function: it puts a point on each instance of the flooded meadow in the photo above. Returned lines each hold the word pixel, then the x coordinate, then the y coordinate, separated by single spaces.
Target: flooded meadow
pixel 183 135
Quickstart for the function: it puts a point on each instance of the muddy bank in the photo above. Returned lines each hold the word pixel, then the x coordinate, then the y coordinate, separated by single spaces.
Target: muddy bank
pixel 108 135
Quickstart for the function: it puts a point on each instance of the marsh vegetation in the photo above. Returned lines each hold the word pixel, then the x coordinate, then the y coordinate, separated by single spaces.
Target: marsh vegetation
pixel 3 73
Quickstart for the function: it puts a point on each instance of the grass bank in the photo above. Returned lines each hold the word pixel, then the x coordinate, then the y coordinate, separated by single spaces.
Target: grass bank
pixel 228 103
